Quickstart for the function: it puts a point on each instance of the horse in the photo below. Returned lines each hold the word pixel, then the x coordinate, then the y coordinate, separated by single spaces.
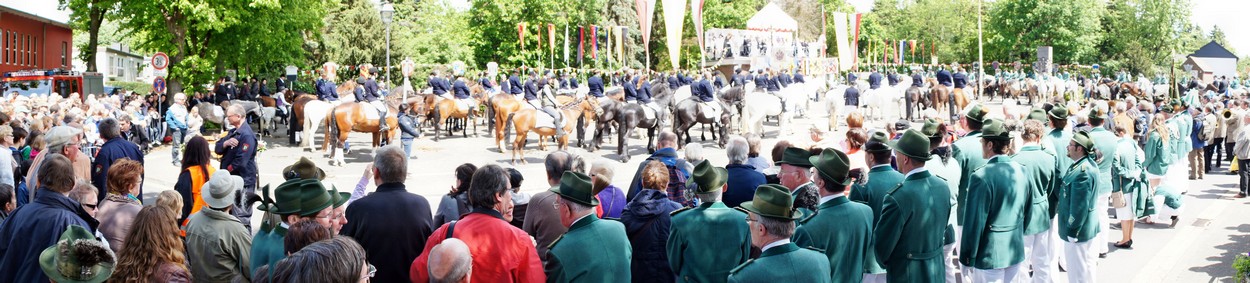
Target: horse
pixel 758 106
pixel 690 113
pixel 351 117
pixel 918 102
pixel 447 109
pixel 499 107
pixel 268 115
pixel 939 96
pixel 835 100
pixel 627 117
pixel 525 120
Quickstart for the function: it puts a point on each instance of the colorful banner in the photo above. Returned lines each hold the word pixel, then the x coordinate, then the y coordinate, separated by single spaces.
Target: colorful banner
pixel 594 42
pixel 674 14
pixel 520 34
pixel 646 15
pixel 581 44
pixel 855 39
pixel 551 38
pixel 696 14
pixel 620 44
pixel 840 30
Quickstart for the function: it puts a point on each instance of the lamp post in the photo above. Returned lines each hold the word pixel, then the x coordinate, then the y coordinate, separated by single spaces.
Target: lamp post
pixel 388 11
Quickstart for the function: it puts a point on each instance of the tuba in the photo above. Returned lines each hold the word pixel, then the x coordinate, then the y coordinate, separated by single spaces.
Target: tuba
pixel 1228 114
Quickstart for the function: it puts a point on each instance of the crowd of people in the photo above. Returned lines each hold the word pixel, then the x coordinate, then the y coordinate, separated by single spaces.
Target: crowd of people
pixel 992 196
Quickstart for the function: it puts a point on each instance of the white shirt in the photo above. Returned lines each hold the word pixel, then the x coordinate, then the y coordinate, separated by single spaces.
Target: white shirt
pixel 6 167
pixel 831 197
pixel 775 244
pixel 580 218
pixel 914 171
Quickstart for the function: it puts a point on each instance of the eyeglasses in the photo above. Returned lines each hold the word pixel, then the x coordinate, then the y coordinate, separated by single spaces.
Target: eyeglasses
pixel 372 271
pixel 91 206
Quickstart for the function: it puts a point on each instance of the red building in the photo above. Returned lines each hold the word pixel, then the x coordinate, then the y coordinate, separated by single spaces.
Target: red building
pixel 32 42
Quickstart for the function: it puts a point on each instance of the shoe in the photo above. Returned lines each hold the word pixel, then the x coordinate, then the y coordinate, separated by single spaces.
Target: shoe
pixel 1240 195
pixel 1175 219
pixel 1102 255
pixel 1125 245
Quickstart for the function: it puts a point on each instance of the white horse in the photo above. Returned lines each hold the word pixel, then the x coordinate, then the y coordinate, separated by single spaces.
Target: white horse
pixel 315 113
pixel 881 104
pixel 835 99
pixel 758 106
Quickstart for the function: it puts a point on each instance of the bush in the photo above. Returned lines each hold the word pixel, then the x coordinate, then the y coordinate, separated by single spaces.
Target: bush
pixel 138 87
pixel 1242 265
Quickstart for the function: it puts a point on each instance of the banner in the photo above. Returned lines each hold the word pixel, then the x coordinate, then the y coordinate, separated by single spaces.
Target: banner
pixel 840 31
pixel 566 46
pixel 594 42
pixel 620 44
pixel 855 40
pixel 674 14
pixel 520 34
pixel 696 14
pixel 646 13
pixel 581 44
pixel 551 38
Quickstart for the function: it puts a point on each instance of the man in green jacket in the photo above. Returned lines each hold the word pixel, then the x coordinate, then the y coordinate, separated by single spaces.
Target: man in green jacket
pixel 1077 219
pixel 909 238
pixel 1105 141
pixel 770 216
pixel 967 151
pixel 592 250
pixel 294 200
pixel 1060 137
pixel 709 240
pixel 881 179
pixel 842 228
pixel 218 246
pixel 993 232
pixel 1041 170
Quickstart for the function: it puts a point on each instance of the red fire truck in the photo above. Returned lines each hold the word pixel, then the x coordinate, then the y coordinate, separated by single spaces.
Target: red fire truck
pixel 48 82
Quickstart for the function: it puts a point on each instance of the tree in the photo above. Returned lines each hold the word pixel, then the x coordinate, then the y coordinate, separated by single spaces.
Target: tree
pixel 1020 26
pixel 356 36
pixel 88 15
pixel 948 25
pixel 1142 35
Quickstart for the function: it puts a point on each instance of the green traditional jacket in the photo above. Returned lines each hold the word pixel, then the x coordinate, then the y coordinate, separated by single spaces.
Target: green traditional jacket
pixel 1126 167
pixel 707 241
pixel 1105 142
pixel 784 263
pixel 993 232
pixel 269 247
pixel 1041 170
pixel 1061 138
pixel 1185 128
pixel 910 235
pixel 967 151
pixel 597 251
pixel 843 229
pixel 881 179
pixel 1076 202
pixel 1155 154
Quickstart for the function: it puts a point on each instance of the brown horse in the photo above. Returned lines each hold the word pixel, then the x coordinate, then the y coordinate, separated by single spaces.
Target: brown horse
pixel 350 117
pixel 501 106
pixel 939 96
pixel 524 121
pixel 446 109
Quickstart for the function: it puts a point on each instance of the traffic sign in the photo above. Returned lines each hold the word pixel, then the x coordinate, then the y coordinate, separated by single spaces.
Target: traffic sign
pixel 160 61
pixel 158 85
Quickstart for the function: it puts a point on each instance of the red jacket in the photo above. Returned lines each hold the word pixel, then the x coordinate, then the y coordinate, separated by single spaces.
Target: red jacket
pixel 501 252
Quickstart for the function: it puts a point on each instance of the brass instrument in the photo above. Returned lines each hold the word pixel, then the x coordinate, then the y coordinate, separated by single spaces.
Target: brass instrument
pixel 1228 114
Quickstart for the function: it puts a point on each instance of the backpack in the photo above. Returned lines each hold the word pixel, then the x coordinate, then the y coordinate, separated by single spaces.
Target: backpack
pixel 1200 130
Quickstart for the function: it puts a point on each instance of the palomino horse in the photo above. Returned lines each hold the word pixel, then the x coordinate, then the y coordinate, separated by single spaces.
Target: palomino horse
pixel 689 113
pixel 447 110
pixel 939 96
pixel 626 117
pixel 499 107
pixel 525 120
pixel 350 117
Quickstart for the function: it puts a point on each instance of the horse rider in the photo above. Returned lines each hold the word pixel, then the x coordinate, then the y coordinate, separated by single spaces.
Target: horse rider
pixel 673 81
pixel 761 80
pixel 719 81
pixel 893 78
pixel 325 86
pixel 485 82
pixel 595 84
pixel 874 79
pixel 279 85
pixel 224 90
pixel 944 78
pixel 798 77
pixel 705 92
pixel 438 85
pixel 960 80
pixel 784 79
pixel 515 88
pixel 543 101
pixel 851 78
pixel 367 92
pixel 461 93
pixel 568 82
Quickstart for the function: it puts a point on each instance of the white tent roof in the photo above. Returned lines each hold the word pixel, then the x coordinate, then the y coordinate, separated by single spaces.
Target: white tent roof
pixel 772 18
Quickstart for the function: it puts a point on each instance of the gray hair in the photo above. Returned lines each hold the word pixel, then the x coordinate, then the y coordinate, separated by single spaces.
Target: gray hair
pixel 713 196
pixel 603 167
pixel 777 227
pixel 556 163
pixel 667 137
pixel 391 163
pixel 694 152
pixel 109 129
pixel 737 150
pixel 236 109
pixel 576 207
pixel 450 261
pixel 338 259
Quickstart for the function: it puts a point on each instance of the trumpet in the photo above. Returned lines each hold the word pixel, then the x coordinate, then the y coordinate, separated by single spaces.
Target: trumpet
pixel 1227 113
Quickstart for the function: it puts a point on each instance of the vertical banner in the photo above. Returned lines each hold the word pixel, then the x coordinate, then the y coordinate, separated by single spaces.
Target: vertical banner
pixel 520 34
pixel 840 36
pixel 566 46
pixel 551 39
pixel 620 44
pixel 674 16
pixel 594 42
pixel 581 45
pixel 696 15
pixel 646 13
pixel 902 52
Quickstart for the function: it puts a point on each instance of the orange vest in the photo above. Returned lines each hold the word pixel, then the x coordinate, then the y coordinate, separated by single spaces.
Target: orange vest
pixel 197 181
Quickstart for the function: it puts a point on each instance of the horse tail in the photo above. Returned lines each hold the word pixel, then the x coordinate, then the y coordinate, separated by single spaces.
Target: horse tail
pixel 333 129
pixel 507 127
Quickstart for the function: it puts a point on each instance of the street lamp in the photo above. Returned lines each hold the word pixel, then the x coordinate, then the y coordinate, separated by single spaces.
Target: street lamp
pixel 388 12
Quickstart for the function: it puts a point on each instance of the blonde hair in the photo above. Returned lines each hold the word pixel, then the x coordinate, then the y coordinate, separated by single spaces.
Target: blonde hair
pixel 1160 125
pixel 171 199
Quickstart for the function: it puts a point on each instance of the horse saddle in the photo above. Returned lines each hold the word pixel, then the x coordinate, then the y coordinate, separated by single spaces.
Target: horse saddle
pixel 710 110
pixel 544 119
pixel 370 110
pixel 648 110
pixel 464 104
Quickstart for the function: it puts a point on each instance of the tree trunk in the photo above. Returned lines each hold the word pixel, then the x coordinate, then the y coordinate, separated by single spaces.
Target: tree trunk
pixel 96 18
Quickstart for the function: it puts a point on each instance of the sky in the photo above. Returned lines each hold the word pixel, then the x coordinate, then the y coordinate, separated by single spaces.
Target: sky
pixel 1206 13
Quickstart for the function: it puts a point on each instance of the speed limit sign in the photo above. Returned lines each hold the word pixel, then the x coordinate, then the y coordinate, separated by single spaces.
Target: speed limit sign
pixel 160 61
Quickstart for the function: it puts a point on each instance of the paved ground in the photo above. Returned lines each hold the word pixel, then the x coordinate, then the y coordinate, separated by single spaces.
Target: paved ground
pixel 1200 249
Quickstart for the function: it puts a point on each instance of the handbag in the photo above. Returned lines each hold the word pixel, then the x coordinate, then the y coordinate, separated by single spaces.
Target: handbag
pixel 1117 200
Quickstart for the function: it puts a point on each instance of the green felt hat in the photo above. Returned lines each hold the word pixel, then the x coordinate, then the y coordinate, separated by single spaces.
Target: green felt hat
pixel 1038 114
pixel 976 113
pixel 796 157
pixel 1059 112
pixel 913 144
pixel 1097 114
pixel 708 178
pixel 994 129
pixel 773 201
pixel 930 128
pixel 833 165
pixel 304 169
pixel 77 257
pixel 304 197
pixel 340 198
pixel 1082 138
pixel 576 187
pixel 876 143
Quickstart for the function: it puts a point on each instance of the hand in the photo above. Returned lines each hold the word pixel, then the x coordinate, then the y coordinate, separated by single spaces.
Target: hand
pixel 232 142
pixel 368 171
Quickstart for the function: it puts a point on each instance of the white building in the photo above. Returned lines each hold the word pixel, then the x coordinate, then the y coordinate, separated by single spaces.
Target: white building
pixel 116 63
pixel 1210 61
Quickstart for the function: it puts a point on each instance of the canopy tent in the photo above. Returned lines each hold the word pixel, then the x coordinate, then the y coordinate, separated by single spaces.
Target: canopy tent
pixel 772 18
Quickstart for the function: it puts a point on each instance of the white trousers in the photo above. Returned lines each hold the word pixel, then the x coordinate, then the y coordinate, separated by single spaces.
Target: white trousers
pixel 1163 212
pixel 1080 261
pixel 874 278
pixel 1006 274
pixel 955 272
pixel 1104 222
pixel 1039 252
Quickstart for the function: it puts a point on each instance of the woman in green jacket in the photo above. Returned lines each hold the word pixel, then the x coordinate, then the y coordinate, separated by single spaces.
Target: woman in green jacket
pixel 1158 155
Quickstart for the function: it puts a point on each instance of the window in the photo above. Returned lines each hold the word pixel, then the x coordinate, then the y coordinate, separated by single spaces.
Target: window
pixel 34 51
pixel 64 54
pixel 119 67
pixel 4 45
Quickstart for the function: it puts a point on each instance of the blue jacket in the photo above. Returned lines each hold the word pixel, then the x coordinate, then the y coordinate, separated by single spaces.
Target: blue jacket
pixel 1193 135
pixel 668 156
pixel 703 89
pixel 673 82
pixel 644 92
pixel 742 182
pixel 961 80
pixel 631 92
pixel 874 80
pixel 774 84
pixel 112 150
pixel 531 89
pixel 407 127
pixel 326 90
pixel 647 222
pixel 241 159
pixel 684 79
pixel 944 78
pixel 798 78
pixel 785 80
pixel 371 90
pixel 595 84
pixel 762 81
pixel 461 90
pixel 485 82
pixel 437 85
pixel 852 96
pixel 514 84
pixel 174 123
pixel 33 228
pixel 917 80
pixel 892 78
